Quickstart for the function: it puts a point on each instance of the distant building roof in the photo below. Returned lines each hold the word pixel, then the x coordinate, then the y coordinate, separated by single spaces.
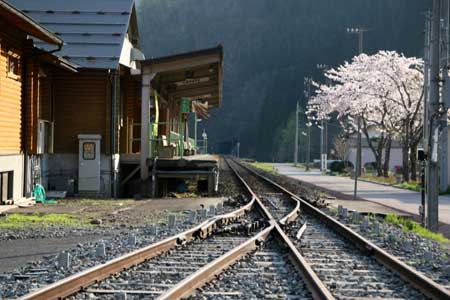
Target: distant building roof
pixel 27 24
pixel 93 30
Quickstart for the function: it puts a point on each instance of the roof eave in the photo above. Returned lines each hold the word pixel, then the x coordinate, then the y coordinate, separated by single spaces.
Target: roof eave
pixel 27 24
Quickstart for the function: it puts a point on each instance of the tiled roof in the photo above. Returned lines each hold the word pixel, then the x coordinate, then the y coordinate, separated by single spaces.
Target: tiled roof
pixel 93 30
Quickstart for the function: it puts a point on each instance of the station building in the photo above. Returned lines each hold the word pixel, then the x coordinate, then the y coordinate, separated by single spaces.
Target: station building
pixel 91 143
pixel 26 81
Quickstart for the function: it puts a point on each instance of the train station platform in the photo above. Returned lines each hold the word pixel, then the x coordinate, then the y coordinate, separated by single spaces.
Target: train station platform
pixel 177 173
pixel 401 200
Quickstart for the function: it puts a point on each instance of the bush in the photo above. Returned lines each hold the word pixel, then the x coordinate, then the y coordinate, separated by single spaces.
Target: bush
pixel 398 170
pixel 340 166
pixel 370 166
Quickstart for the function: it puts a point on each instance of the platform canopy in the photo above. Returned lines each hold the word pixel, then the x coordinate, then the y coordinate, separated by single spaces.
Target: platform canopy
pixel 194 75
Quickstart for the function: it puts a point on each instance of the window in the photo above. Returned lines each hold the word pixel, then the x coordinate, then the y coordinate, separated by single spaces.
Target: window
pixel 6 187
pixel 13 66
pixel 88 151
pixel 45 137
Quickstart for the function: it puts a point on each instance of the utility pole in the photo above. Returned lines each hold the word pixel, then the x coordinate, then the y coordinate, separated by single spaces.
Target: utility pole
pixel 323 131
pixel 323 160
pixel 426 128
pixel 238 148
pixel 432 166
pixel 307 85
pixel 360 33
pixel 308 160
pixel 443 139
pixel 296 136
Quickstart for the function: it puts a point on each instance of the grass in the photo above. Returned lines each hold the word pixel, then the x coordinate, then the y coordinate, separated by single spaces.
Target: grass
pixel 300 165
pixel 411 226
pixel 387 180
pixel 413 186
pixel 391 180
pixel 268 167
pixel 23 221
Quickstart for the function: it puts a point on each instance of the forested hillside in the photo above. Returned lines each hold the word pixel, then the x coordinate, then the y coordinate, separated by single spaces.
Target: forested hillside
pixel 270 46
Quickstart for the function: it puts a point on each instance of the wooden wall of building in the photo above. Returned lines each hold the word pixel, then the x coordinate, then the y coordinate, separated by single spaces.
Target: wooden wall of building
pixel 82 106
pixel 32 93
pixel 131 114
pixel 10 92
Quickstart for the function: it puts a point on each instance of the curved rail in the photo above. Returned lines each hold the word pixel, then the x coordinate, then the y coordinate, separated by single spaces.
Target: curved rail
pixel 315 285
pixel 196 280
pixel 82 280
pixel 291 216
pixel 416 279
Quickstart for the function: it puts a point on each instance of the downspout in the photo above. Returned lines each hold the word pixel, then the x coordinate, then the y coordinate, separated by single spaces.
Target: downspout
pixel 25 122
pixel 113 80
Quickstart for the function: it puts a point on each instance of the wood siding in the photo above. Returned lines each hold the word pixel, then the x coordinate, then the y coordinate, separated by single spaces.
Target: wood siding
pixel 10 92
pixel 132 113
pixel 82 106
pixel 32 93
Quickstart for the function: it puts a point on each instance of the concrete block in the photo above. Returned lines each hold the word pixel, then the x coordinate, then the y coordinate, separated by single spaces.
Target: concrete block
pixel 365 223
pixel 172 221
pixel 219 208
pixel 355 217
pixel 64 260
pixel 132 240
pixel 377 229
pixel 100 250
pixel 153 229
pixel 340 208
pixel 212 210
pixel 407 246
pixel 446 272
pixel 392 237
pixel 192 218
pixel 428 256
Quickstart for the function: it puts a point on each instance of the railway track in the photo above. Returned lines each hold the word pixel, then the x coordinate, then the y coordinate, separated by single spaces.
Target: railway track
pixel 152 278
pixel 263 250
pixel 266 273
pixel 349 266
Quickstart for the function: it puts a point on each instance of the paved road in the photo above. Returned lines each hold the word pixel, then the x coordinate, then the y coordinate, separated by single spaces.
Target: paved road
pixel 403 200
pixel 16 253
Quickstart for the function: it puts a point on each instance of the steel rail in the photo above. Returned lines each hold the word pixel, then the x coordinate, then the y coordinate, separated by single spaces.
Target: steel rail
pixel 206 273
pixel 82 280
pixel 292 215
pixel 426 285
pixel 317 288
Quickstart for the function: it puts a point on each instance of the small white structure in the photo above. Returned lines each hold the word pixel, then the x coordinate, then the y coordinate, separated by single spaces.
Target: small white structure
pixel 89 162
pixel 367 156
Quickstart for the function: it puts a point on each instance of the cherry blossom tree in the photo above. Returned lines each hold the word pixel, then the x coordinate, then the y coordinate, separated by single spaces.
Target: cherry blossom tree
pixel 385 91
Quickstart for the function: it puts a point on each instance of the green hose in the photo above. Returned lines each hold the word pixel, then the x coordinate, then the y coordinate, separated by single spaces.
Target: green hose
pixel 39 195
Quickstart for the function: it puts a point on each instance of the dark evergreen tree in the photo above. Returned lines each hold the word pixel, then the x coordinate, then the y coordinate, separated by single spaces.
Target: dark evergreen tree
pixel 270 46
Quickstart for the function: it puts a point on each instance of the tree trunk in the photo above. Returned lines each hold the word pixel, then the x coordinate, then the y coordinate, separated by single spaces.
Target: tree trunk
pixel 413 160
pixel 405 161
pixel 377 150
pixel 379 158
pixel 387 157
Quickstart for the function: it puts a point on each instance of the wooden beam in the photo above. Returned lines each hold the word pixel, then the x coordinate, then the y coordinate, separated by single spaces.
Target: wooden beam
pixel 145 118
pixel 181 63
pixel 210 84
pixel 196 92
